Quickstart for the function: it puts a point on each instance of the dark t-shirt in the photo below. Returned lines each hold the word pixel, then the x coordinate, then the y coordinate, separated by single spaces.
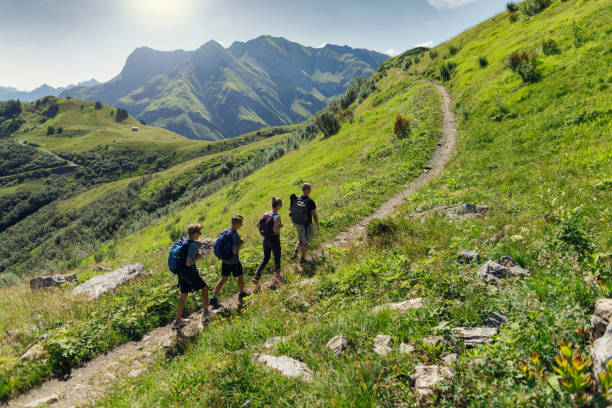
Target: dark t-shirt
pixel 310 207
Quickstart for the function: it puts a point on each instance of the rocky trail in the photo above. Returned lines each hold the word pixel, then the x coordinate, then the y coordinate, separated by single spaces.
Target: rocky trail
pixel 93 380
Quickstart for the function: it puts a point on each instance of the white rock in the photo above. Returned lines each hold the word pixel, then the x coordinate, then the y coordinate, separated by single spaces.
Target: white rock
pixel 101 284
pixel 602 352
pixel 338 344
pixel 51 399
pixel 425 377
pixel 381 344
pixel 433 339
pixel 449 358
pixel 474 336
pixel 601 317
pixel 34 353
pixel 401 307
pixel 273 341
pixel 287 366
pixel 492 271
pixel 406 348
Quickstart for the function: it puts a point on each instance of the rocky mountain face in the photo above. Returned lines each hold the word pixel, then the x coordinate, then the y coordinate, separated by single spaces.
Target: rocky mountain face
pixel 216 92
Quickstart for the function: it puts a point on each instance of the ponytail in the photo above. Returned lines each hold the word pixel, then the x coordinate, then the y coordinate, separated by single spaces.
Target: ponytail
pixel 276 202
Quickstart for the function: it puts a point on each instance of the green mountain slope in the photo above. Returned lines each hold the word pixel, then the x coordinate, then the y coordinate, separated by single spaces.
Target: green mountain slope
pixel 216 93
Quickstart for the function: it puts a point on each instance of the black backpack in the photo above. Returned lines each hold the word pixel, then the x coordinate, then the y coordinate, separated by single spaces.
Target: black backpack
pixel 298 211
pixel 266 224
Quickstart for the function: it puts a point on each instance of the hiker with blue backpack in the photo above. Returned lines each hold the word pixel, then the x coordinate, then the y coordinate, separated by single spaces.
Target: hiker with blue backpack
pixel 269 227
pixel 303 211
pixel 181 261
pixel 227 249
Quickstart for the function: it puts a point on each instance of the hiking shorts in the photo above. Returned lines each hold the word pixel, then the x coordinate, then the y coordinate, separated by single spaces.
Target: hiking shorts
pixel 305 233
pixel 235 269
pixel 189 280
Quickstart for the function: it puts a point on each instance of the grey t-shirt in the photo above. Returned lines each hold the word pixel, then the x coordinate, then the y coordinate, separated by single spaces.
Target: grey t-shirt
pixel 192 251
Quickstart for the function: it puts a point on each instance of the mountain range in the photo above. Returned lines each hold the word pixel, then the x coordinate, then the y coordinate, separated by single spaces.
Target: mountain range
pixel 7 93
pixel 215 92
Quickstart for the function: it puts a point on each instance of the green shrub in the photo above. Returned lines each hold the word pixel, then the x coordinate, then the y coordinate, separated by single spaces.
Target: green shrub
pixel 98 105
pixel 122 114
pixel 407 64
pixel 50 130
pixel 433 54
pixel 571 233
pixel 452 50
pixel 417 60
pixel 327 123
pixel 533 7
pixel 174 232
pixel 52 110
pixel 482 61
pixel 380 230
pixel 513 17
pixel 524 63
pixel 60 130
pixel 550 47
pixel 581 35
pixel 401 127
pixel 511 7
pixel 447 69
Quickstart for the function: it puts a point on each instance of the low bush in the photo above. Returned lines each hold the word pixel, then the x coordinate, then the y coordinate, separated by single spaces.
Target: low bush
pixel 511 7
pixel 581 35
pixel 533 7
pixel 433 54
pixel 447 69
pixel 98 105
pixel 327 123
pixel 482 61
pixel 550 47
pixel 524 63
pixel 401 127
pixel 513 16
pixel 50 130
pixel 452 50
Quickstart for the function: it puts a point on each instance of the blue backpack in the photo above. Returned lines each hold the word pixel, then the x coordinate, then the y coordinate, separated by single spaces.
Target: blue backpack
pixel 224 248
pixel 178 255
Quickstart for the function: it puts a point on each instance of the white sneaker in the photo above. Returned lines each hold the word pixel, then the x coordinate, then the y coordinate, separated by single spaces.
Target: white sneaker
pixel 180 323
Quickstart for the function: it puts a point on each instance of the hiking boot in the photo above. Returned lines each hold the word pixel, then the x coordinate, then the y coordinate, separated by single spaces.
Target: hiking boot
pixel 205 317
pixel 303 260
pixel 214 303
pixel 179 324
pixel 294 257
pixel 242 295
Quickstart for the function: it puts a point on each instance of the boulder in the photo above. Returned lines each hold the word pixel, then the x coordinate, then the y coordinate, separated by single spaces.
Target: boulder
pixel 43 282
pixel 338 344
pixel 382 344
pixel 467 257
pixel 517 272
pixel 35 352
pixel 406 348
pixel 601 317
pixel 101 284
pixel 475 336
pixel 495 320
pixel 273 341
pixel 424 378
pixel 449 358
pixel 506 261
pixel 492 271
pixel 467 208
pixel 401 307
pixel 601 352
pixel 50 399
pixel 287 366
pixel 206 245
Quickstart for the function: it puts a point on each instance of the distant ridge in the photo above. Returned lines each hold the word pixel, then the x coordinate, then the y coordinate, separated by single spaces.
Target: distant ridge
pixel 216 92
pixel 7 93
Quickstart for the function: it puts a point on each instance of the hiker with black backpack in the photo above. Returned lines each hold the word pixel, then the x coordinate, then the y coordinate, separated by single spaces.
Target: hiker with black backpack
pixel 303 211
pixel 227 249
pixel 181 261
pixel 269 227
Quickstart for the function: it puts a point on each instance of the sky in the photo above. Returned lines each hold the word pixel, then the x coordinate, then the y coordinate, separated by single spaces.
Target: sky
pixel 60 42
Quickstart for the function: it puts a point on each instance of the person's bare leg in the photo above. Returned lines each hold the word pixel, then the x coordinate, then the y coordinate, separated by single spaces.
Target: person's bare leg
pixel 181 305
pixel 205 299
pixel 241 283
pixel 220 286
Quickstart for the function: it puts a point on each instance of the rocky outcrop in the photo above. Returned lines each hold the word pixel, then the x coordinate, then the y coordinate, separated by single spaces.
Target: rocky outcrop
pixel 43 282
pixel 382 344
pixel 401 307
pixel 601 317
pixel 425 377
pixel 450 358
pixel 495 320
pixel 287 366
pixel 101 284
pixel 475 336
pixel 405 348
pixel 467 257
pixel 338 344
pixel 35 352
pixel 494 271
pixel 206 245
pixel 601 352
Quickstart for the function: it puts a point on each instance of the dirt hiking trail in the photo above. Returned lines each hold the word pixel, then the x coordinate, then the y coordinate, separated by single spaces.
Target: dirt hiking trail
pixel 95 379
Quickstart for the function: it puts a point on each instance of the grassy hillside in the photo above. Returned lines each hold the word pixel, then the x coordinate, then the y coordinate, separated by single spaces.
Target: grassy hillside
pixel 539 154
pixel 342 162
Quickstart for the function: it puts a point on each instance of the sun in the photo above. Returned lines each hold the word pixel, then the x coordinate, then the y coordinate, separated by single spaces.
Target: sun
pixel 167 12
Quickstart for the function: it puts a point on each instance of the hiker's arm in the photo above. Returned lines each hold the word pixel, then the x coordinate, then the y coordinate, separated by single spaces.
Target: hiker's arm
pixel 190 261
pixel 277 225
pixel 315 217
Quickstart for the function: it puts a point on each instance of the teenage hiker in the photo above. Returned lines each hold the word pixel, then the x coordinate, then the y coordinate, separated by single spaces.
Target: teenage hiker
pixel 181 261
pixel 227 249
pixel 302 211
pixel 269 226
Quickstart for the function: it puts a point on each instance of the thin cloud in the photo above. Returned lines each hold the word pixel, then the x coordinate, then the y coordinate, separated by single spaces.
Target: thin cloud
pixel 427 44
pixel 449 4
pixel 321 45
pixel 391 52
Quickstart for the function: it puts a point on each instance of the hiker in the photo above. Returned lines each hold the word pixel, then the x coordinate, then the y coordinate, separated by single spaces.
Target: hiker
pixel 227 249
pixel 302 211
pixel 182 259
pixel 269 226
